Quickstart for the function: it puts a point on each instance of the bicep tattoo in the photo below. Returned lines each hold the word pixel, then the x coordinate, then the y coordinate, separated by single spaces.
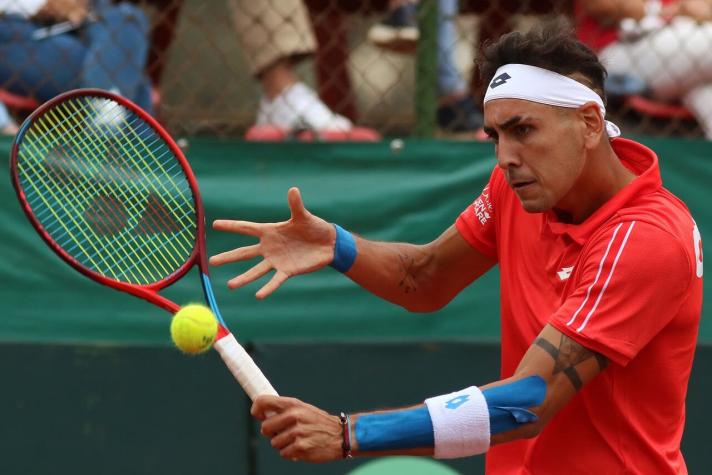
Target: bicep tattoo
pixel 568 355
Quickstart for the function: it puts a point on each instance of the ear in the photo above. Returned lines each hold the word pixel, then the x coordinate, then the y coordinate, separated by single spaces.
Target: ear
pixel 593 123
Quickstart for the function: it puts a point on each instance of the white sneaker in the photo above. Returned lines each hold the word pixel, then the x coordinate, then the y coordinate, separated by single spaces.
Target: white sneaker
pixel 298 107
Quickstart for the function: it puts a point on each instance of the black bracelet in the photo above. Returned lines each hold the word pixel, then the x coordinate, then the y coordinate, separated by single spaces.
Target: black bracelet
pixel 346 436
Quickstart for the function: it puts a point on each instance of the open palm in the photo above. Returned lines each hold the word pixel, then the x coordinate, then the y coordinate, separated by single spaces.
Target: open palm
pixel 302 244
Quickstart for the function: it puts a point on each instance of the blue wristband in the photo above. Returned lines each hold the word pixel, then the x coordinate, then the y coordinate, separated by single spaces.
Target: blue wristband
pixel 397 430
pixel 344 250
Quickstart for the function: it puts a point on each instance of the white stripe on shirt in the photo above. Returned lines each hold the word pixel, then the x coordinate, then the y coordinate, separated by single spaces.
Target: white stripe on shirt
pixel 598 274
pixel 610 274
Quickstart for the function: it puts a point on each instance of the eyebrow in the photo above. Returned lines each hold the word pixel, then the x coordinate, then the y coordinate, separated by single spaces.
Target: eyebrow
pixel 504 125
pixel 509 123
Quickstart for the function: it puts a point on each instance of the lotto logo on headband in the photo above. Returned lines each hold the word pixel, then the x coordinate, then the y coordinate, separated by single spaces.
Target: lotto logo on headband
pixel 499 80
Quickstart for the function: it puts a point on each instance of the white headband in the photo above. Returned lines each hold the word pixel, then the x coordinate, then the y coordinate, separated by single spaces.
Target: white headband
pixel 521 81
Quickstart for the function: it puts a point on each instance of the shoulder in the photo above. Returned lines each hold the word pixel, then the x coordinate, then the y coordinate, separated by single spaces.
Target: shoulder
pixel 641 248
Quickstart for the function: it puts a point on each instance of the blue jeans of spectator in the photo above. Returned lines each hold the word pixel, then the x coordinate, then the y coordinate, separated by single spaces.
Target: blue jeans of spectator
pixel 108 53
pixel 449 79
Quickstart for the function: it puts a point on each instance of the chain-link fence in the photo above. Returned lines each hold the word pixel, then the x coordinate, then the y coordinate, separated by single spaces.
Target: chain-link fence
pixel 388 67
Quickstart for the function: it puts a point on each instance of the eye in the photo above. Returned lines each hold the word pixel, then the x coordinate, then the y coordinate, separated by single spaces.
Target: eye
pixel 522 130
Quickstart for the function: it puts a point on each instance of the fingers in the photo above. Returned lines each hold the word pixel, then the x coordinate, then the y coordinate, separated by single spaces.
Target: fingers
pixel 264 404
pixel 277 280
pixel 268 406
pixel 239 227
pixel 253 274
pixel 239 254
pixel 296 205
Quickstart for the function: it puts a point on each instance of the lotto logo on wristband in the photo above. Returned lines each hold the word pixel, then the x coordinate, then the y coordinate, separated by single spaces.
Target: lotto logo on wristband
pixel 458 401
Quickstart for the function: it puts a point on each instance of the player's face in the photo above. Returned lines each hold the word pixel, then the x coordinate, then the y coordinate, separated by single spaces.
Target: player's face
pixel 540 149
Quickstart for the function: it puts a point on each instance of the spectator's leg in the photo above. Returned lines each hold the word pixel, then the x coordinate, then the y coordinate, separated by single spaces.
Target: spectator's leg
pixel 272 30
pixel 117 50
pixel 457 111
pixel 38 68
pixel 449 80
pixel 275 35
pixel 276 78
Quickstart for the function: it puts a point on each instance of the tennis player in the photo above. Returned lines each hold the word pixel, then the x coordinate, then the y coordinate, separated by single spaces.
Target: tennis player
pixel 601 284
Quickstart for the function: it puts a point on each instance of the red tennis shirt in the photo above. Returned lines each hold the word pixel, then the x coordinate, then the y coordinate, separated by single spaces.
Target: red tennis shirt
pixel 627 283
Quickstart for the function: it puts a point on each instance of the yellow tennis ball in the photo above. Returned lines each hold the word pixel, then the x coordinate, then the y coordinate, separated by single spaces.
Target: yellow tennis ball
pixel 193 328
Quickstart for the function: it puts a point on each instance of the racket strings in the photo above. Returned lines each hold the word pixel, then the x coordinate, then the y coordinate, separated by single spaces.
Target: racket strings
pixel 103 172
pixel 151 203
pixel 107 215
pixel 108 190
pixel 62 177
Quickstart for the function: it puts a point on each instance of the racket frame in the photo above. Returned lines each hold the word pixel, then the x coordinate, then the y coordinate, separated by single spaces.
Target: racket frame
pixel 238 361
pixel 147 292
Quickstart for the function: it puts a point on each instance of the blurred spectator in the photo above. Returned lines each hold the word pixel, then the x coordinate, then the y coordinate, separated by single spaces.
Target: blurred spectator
pixel 457 111
pixel 51 46
pixel 7 125
pixel 666 43
pixel 275 36
pixel 398 31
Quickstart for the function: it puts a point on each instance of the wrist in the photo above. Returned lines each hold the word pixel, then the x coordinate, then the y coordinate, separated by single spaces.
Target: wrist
pixel 344 250
pixel 346 436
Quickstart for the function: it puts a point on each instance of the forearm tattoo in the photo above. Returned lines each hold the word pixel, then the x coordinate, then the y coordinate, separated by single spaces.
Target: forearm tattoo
pixel 408 283
pixel 568 355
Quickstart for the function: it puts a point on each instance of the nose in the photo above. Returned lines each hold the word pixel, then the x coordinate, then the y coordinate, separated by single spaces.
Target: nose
pixel 507 154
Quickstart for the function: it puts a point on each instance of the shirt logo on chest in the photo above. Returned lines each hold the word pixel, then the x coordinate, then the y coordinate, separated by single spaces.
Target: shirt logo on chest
pixel 565 272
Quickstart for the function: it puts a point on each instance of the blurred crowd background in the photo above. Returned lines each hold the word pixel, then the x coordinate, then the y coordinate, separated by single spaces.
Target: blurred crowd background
pixel 342 69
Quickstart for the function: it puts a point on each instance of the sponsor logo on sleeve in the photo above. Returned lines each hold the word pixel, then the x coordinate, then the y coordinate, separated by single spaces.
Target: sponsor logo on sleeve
pixel 483 207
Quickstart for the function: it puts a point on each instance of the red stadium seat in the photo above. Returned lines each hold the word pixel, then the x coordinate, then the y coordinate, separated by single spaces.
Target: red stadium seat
pixel 661 110
pixel 17 102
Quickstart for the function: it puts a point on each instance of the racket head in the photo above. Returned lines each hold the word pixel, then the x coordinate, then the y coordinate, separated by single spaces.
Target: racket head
pixel 97 175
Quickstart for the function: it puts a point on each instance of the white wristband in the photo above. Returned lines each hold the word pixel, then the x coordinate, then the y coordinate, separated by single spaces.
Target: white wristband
pixel 461 425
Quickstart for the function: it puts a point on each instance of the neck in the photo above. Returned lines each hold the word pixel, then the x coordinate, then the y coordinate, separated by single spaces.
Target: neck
pixel 603 177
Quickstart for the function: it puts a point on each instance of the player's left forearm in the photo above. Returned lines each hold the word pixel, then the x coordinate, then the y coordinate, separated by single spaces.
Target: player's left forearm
pixel 552 371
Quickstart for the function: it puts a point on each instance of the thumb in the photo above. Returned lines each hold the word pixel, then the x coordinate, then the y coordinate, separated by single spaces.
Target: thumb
pixel 296 205
pixel 266 405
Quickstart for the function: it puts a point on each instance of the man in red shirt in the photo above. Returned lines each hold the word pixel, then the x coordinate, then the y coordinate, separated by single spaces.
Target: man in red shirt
pixel 601 289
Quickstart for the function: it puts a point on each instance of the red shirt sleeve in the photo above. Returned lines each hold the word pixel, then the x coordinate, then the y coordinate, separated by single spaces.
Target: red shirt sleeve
pixel 629 283
pixel 477 223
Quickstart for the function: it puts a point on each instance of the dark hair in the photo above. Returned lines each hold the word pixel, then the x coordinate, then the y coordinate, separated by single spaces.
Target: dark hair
pixel 552 46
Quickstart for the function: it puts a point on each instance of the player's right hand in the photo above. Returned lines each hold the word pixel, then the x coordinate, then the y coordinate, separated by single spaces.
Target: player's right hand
pixel 302 244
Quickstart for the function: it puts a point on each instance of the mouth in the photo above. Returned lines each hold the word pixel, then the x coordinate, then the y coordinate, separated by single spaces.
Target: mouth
pixel 520 185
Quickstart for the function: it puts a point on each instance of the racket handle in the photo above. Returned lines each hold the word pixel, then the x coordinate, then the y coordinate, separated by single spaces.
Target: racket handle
pixel 243 368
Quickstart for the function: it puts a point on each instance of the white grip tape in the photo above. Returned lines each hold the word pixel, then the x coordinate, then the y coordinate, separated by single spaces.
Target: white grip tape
pixel 243 367
pixel 461 425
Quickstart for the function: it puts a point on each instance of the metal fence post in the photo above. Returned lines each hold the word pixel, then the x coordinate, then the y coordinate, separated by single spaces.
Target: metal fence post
pixel 426 69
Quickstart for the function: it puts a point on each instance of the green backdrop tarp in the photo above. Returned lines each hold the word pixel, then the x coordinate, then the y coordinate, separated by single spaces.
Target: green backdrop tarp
pixel 410 195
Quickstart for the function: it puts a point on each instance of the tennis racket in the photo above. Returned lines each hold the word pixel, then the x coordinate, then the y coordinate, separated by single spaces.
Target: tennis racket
pixel 113 195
